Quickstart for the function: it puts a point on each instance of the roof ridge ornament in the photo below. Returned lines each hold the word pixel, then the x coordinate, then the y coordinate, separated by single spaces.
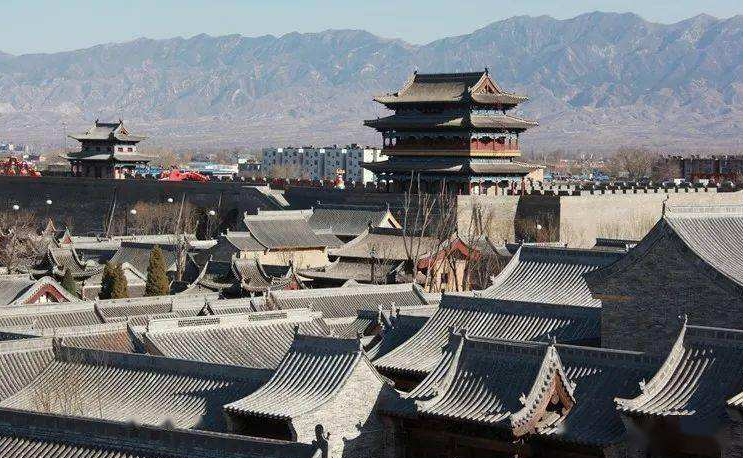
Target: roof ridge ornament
pixel 663 209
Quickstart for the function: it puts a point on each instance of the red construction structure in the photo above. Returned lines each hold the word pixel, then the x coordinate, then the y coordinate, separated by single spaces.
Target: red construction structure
pixel 177 175
pixel 13 167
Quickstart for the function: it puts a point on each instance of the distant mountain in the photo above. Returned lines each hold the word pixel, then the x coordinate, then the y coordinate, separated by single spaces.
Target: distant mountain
pixel 596 82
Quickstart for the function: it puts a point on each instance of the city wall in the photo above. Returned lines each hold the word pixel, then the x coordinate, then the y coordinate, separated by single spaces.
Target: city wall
pixel 569 215
pixel 84 202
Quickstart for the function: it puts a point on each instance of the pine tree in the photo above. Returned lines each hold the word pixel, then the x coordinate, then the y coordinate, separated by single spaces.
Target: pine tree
pixel 107 283
pixel 157 278
pixel 120 288
pixel 68 282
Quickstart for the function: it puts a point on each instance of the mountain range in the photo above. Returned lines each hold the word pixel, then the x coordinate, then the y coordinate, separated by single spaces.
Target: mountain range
pixel 596 82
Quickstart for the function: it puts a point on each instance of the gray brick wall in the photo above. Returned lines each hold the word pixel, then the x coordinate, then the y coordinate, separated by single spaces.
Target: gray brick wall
pixel 356 430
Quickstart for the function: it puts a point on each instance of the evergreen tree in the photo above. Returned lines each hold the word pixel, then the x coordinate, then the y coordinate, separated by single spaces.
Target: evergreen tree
pixel 120 288
pixel 68 282
pixel 107 283
pixel 157 278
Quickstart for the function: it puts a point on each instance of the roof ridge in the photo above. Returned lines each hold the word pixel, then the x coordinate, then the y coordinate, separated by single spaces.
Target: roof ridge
pixel 147 362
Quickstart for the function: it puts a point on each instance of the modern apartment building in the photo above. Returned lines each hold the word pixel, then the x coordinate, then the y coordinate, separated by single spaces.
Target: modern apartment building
pixel 320 163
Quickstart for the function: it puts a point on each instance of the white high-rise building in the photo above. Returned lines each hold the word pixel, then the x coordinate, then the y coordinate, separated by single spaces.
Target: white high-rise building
pixel 320 163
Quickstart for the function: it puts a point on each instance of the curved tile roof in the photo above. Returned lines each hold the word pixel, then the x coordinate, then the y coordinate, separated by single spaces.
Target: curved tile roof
pixel 708 233
pixel 277 231
pixel 125 387
pixel 258 340
pixel 703 370
pixel 137 254
pixel 41 435
pixel 388 243
pixel 490 318
pixel 49 316
pixel 494 384
pixel 454 120
pixel 18 289
pixel 449 88
pixel 596 375
pixel 348 301
pixel 347 221
pixel 21 361
pixel 313 371
pixel 404 325
pixel 550 275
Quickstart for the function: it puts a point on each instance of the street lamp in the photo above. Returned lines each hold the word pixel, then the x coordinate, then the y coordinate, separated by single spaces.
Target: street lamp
pixel 16 207
pixel 212 213
pixel 170 200
pixel 49 201
pixel 132 212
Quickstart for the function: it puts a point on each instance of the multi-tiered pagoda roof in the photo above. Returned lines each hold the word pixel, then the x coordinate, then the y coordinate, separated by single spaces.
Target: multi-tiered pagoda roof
pixel 451 127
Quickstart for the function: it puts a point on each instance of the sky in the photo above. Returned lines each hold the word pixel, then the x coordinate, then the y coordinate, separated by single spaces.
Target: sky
pixel 32 26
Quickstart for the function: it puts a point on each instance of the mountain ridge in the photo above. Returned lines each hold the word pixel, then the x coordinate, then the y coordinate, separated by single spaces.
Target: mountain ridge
pixel 596 82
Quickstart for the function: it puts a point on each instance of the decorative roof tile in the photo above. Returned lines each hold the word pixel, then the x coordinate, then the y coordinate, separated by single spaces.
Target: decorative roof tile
pixel 129 387
pixel 703 370
pixel 313 371
pixel 347 301
pixel 549 275
pixel 492 318
pixel 258 340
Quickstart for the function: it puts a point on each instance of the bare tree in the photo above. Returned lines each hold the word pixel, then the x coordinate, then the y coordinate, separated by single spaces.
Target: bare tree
pixel 636 163
pixel 20 245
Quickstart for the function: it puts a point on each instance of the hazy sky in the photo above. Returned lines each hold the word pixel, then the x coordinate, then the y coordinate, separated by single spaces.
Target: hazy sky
pixel 55 25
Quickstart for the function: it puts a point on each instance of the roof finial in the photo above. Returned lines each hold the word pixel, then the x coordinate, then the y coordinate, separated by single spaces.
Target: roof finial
pixel 643 384
pixel 486 71
pixel 684 319
pixel 663 211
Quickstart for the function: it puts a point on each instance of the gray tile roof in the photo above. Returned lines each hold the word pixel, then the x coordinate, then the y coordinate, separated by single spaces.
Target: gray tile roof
pixel 550 276
pixel 105 336
pixel 21 361
pixel 388 243
pixel 347 221
pixel 352 327
pixel 254 276
pixel 404 324
pixel 619 244
pixel 122 309
pixel 258 340
pixel 708 233
pixel 98 384
pixel 453 120
pixel 48 316
pixel 347 301
pixel 66 258
pixel 703 370
pixel 108 131
pixel 452 165
pixel 483 380
pixel 490 384
pixel 490 318
pixel 41 435
pixel 448 87
pixel 282 229
pixel 18 289
pixel 356 270
pixel 137 254
pixel 241 241
pixel 313 371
